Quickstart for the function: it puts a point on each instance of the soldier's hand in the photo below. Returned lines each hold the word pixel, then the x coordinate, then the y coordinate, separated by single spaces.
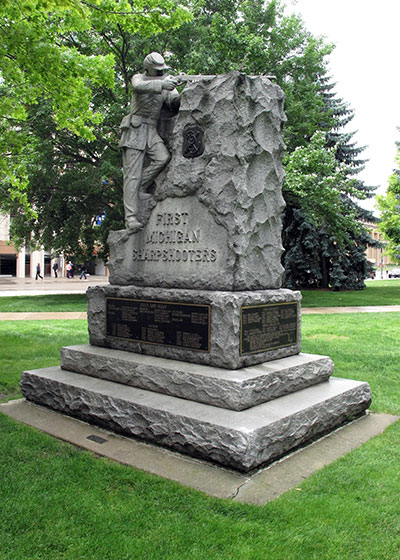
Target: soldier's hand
pixel 169 83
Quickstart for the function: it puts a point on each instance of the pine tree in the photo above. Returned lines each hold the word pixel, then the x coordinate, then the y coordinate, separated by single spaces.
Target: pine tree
pixel 313 256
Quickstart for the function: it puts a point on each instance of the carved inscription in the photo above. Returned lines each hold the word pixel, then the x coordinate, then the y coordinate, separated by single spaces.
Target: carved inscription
pixel 268 327
pixel 175 237
pixel 157 322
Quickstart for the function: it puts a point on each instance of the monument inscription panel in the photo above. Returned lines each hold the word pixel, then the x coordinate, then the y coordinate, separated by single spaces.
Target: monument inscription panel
pixel 183 233
pixel 267 327
pixel 185 325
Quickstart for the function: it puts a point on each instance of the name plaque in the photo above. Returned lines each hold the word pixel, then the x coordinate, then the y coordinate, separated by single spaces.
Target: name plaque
pixel 186 325
pixel 267 327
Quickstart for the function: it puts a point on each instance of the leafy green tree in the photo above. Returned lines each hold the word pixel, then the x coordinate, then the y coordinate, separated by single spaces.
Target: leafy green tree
pixel 317 182
pixel 36 63
pixel 63 87
pixel 323 238
pixel 389 206
pixel 41 62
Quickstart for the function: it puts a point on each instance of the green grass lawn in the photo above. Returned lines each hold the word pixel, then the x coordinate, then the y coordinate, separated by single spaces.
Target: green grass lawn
pixel 32 345
pixel 58 502
pixel 377 292
pixel 57 302
pixel 363 346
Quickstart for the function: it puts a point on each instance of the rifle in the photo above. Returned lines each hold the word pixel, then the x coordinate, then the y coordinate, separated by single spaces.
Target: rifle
pixel 182 79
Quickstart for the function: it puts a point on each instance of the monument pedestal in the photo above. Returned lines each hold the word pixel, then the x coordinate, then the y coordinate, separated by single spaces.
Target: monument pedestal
pixel 224 329
pixel 129 380
pixel 233 389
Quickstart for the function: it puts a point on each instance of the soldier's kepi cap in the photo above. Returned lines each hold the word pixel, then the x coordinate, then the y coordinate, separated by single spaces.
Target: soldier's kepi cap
pixel 156 61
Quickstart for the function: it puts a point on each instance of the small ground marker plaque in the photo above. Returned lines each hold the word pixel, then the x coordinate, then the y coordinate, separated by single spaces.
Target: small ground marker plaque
pixel 96 439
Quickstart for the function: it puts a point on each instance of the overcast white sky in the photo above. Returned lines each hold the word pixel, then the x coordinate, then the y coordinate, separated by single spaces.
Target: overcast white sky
pixel 366 68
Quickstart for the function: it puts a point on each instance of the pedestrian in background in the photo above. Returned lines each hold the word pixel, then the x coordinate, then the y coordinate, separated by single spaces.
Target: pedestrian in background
pixel 69 269
pixel 38 272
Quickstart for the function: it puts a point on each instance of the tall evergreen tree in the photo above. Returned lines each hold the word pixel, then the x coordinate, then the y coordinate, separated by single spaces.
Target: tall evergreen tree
pixel 336 263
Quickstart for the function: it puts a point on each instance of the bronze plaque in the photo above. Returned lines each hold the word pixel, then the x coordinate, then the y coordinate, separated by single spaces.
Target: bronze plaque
pixel 185 325
pixel 267 327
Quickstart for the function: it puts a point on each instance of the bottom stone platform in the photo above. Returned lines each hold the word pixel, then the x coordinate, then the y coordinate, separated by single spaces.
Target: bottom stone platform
pixel 239 439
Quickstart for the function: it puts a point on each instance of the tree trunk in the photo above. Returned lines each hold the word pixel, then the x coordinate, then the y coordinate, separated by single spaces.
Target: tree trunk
pixel 325 272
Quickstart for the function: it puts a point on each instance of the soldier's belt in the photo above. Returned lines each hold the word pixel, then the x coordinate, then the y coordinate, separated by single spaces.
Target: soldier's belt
pixel 149 121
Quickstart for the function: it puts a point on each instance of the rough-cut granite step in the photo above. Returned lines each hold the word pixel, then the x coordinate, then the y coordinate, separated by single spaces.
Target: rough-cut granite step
pixel 242 440
pixel 233 389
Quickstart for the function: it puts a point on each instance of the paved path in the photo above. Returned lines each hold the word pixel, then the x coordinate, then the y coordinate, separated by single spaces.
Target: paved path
pixel 355 309
pixel 46 315
pixel 32 287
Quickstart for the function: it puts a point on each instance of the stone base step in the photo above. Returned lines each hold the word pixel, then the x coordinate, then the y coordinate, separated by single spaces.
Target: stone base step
pixel 233 389
pixel 242 440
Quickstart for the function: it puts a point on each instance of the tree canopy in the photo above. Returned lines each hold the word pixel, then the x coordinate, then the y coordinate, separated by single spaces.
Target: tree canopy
pixel 317 181
pixel 389 206
pixel 43 62
pixel 37 61
pixel 325 240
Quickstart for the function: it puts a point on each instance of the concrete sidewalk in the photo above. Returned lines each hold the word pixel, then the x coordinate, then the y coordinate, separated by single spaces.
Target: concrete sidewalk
pixel 257 487
pixel 52 286
pixel 42 315
pixel 354 309
pixel 32 287
pixel 65 315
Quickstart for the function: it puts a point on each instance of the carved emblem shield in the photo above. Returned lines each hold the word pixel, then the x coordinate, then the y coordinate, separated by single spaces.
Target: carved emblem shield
pixel 193 142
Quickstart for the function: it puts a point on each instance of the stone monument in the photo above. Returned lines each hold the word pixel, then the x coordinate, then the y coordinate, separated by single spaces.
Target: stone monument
pixel 194 345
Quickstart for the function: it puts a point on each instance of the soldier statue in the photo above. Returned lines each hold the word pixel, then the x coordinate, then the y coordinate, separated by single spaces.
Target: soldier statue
pixel 151 91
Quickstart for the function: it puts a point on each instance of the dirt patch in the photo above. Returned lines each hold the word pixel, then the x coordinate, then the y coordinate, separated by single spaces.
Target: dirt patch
pixel 4 397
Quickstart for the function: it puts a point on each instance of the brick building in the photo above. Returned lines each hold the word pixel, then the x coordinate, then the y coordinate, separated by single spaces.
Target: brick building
pixel 376 255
